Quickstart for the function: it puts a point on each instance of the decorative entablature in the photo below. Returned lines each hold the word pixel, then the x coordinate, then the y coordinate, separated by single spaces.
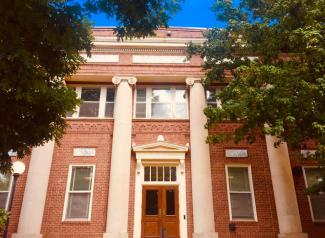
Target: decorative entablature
pixel 160 151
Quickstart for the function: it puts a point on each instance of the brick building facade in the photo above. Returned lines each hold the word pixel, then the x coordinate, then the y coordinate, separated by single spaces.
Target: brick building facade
pixel 134 162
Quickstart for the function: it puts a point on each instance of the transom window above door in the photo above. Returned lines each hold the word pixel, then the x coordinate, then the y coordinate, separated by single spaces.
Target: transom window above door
pixel 161 103
pixel 160 173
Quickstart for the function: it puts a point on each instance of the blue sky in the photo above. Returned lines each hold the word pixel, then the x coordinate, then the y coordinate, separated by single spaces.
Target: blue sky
pixel 194 13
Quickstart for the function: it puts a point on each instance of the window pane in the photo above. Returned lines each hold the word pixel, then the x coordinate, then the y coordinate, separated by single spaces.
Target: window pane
pixel 238 179
pixel 173 173
pixel 314 175
pixel 81 179
pixel 140 110
pixel 241 206
pixel 170 202
pixel 181 110
pixel 147 173
pixel 161 110
pixel 110 95
pixel 3 200
pixel 318 206
pixel 161 95
pixel 167 173
pixel 153 173
pixel 181 95
pixel 4 182
pixel 89 109
pixel 211 95
pixel 141 95
pixel 69 114
pixel 151 202
pixel 160 174
pixel 109 109
pixel 90 94
pixel 78 205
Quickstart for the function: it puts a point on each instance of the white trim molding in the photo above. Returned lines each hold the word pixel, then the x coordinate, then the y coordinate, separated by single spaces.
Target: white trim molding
pixel 68 191
pixel 101 58
pixel 251 187
pixel 309 199
pixel 160 59
pixel 162 153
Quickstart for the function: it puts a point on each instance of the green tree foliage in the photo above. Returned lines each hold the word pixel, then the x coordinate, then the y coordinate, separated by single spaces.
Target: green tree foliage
pixel 40 41
pixel 274 50
pixel 4 216
pixel 136 18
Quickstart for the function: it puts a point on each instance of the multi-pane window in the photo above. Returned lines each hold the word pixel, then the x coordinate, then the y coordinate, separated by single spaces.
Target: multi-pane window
pixel 69 114
pixel 141 103
pixel 211 97
pixel 161 102
pixel 97 102
pixel 317 202
pixel 90 102
pixel 160 174
pixel 110 98
pixel 5 180
pixel 79 192
pixel 240 193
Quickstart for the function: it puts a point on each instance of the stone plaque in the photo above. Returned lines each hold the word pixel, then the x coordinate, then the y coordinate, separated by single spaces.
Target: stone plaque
pixel 236 153
pixel 84 151
pixel 306 153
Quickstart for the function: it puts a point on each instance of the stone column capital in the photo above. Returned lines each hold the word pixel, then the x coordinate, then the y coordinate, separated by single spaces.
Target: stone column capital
pixel 129 79
pixel 191 81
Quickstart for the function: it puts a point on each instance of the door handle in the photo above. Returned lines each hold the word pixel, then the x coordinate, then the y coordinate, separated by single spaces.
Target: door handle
pixel 159 212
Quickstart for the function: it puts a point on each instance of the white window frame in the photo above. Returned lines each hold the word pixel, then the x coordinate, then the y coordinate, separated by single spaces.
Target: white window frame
pixel 9 192
pixel 148 102
pixel 309 201
pixel 217 102
pixel 102 101
pixel 160 164
pixel 251 191
pixel 67 192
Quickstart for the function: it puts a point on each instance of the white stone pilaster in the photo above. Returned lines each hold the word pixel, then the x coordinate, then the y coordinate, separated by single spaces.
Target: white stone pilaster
pixel 203 213
pixel 31 214
pixel 284 190
pixel 118 197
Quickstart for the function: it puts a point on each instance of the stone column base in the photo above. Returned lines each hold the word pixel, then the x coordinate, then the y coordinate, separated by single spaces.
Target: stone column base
pixel 115 235
pixel 206 235
pixel 293 235
pixel 26 235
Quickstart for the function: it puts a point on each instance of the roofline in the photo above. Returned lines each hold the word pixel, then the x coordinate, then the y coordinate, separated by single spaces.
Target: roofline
pixel 169 27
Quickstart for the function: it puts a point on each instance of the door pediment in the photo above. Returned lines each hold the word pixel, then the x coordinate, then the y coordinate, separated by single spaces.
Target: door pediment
pixel 161 150
pixel 160 146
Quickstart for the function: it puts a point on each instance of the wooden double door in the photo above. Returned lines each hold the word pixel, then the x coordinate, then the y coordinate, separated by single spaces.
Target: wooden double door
pixel 160 213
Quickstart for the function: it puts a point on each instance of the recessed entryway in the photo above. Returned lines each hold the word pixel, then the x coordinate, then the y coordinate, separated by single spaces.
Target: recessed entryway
pixel 160 191
pixel 160 213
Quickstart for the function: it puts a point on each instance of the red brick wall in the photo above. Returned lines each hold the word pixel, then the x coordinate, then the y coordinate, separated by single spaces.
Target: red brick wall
pixel 266 226
pixel 145 132
pixel 83 133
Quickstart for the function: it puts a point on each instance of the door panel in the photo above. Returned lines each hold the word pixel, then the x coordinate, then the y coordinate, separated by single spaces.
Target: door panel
pixel 160 217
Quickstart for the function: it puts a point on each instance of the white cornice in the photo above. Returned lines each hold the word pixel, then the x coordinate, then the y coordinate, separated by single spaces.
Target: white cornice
pixel 150 41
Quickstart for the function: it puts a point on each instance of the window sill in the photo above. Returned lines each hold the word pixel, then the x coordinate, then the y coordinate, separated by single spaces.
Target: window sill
pixel 243 221
pixel 88 118
pixel 79 221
